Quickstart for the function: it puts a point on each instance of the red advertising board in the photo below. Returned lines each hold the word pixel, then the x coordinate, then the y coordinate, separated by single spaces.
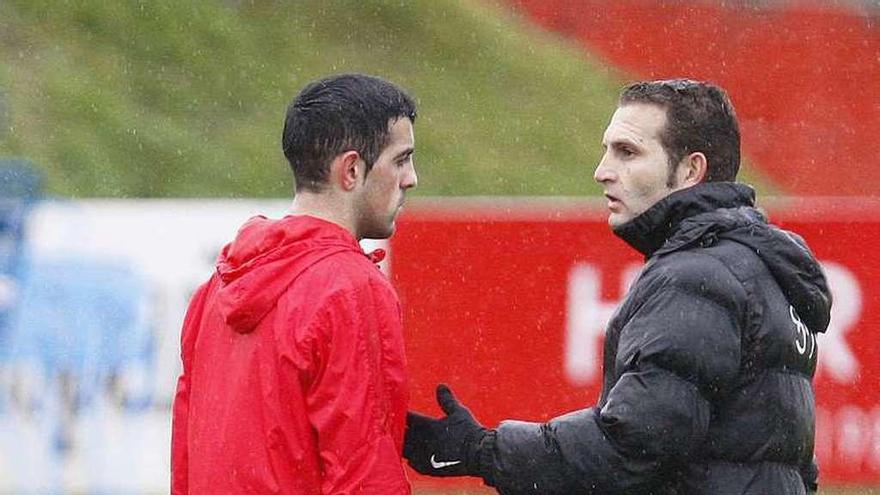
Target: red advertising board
pixel 507 302
pixel 793 121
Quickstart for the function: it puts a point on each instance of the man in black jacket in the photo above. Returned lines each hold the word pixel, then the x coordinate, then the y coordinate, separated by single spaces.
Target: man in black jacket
pixel 708 362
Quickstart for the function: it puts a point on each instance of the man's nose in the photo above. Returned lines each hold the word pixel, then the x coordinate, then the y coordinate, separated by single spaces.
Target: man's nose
pixel 603 172
pixel 410 178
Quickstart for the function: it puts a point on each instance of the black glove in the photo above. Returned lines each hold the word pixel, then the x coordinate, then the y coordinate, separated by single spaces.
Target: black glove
pixel 447 446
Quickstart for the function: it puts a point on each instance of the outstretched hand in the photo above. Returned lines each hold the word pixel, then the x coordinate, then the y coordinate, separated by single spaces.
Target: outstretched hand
pixel 447 446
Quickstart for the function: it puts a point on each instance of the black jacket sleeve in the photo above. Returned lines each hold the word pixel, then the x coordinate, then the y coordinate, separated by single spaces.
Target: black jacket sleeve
pixel 677 352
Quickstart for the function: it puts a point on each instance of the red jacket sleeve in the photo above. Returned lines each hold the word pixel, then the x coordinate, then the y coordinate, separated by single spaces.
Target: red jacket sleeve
pixel 180 410
pixel 357 398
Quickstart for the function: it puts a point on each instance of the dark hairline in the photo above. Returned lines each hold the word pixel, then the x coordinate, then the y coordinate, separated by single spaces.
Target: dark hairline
pixel 716 117
pixel 338 114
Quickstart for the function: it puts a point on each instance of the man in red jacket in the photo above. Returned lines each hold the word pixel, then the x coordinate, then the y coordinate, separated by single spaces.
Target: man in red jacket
pixel 294 376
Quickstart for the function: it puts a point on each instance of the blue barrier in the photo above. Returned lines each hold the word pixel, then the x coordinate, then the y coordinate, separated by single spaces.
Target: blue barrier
pixel 84 320
pixel 21 186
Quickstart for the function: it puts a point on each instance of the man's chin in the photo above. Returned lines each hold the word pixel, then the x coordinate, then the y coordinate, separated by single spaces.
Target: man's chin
pixel 615 220
pixel 380 233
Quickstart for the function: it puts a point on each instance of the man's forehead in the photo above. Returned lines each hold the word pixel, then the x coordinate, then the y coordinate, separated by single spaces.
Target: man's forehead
pixel 401 134
pixel 636 122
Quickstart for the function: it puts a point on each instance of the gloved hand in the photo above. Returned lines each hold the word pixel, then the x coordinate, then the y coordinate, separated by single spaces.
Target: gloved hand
pixel 447 446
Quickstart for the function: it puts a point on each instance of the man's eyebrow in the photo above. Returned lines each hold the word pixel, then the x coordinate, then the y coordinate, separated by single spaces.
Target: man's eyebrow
pixel 618 141
pixel 405 152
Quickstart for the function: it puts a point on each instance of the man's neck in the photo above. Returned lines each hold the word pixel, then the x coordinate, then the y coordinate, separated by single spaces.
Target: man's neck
pixel 326 206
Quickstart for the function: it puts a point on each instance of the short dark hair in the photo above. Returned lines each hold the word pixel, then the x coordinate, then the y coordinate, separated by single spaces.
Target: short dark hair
pixel 337 114
pixel 699 117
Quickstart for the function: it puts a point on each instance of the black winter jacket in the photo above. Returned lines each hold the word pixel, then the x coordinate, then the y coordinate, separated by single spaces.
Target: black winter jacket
pixel 708 366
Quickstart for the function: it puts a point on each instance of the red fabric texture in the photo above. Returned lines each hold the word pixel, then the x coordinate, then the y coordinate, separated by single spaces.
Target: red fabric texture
pixel 294 375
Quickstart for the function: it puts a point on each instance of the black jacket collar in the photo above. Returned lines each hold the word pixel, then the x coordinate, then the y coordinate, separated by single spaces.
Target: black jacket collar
pixel 649 231
pixel 706 212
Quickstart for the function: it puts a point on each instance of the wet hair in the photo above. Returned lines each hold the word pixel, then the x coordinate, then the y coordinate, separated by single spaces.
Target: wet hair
pixel 699 118
pixel 338 114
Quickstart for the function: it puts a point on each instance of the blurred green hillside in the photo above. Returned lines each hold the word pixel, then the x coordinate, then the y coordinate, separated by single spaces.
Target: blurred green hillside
pixel 165 98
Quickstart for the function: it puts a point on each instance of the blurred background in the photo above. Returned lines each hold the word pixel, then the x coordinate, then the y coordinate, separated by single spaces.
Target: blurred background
pixel 136 136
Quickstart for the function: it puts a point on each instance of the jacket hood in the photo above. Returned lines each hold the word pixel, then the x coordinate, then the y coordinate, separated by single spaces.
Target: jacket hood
pixel 707 212
pixel 266 257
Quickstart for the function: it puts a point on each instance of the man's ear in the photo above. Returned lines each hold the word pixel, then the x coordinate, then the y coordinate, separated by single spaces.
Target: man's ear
pixel 692 169
pixel 347 170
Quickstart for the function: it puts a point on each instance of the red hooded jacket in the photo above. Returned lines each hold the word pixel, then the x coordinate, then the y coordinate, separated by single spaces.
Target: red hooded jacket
pixel 294 375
